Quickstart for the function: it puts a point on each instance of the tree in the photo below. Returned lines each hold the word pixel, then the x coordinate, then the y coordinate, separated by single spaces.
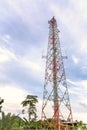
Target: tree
pixel 1 101
pixel 30 102
pixel 81 125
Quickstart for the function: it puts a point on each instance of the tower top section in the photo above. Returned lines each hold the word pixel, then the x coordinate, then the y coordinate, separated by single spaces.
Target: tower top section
pixel 53 24
pixel 53 21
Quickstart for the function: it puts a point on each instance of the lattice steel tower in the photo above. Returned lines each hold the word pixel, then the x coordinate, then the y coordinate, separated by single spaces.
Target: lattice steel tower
pixel 56 109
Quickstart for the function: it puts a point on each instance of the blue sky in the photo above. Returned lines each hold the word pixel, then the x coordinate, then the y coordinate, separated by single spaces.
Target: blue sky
pixel 23 39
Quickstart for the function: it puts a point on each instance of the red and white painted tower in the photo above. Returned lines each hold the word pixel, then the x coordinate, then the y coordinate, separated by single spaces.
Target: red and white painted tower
pixel 56 107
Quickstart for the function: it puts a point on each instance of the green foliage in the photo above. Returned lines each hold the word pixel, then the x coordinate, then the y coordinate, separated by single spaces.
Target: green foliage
pixel 81 125
pixel 10 122
pixel 30 125
pixel 14 122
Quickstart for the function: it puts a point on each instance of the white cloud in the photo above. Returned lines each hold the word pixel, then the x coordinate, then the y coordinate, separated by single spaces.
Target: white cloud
pixel 6 55
pixel 78 93
pixel 71 18
pixel 13 96
pixel 78 88
pixel 80 116
pixel 83 46
pixel 31 65
pixel 6 38
pixel 81 7
pixel 75 59
pixel 39 108
pixel 24 11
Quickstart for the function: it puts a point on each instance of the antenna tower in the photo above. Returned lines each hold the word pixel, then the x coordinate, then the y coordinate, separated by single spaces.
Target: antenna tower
pixel 56 108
